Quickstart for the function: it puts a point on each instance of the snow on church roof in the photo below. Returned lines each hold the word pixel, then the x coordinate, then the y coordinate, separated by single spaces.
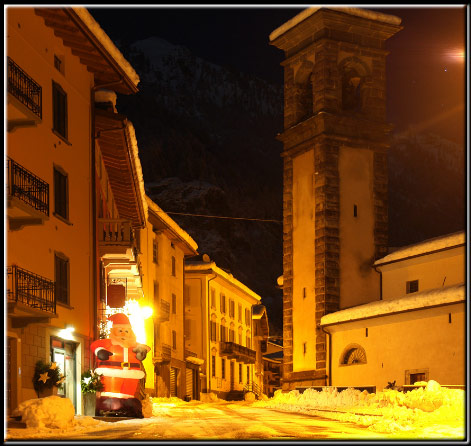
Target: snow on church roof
pixel 365 13
pixel 425 247
pixel 415 301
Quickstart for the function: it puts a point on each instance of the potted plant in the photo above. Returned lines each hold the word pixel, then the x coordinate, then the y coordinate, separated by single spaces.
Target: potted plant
pixel 91 384
pixel 47 379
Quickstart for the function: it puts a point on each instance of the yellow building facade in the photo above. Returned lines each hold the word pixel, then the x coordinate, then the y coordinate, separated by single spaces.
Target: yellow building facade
pixel 164 247
pixel 57 59
pixel 220 328
pixel 416 331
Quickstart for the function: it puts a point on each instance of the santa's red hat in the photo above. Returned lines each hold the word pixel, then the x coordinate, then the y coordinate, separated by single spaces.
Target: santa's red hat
pixel 119 319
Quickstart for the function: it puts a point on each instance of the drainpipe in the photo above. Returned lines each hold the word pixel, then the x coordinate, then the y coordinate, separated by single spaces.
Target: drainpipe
pixel 330 354
pixel 380 282
pixel 208 372
pixel 94 222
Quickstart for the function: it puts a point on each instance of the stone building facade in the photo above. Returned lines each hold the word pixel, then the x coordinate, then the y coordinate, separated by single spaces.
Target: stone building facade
pixel 335 174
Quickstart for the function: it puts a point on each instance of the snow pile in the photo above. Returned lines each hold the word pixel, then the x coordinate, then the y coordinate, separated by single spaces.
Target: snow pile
pixel 387 411
pixel 147 406
pixel 209 397
pixel 249 396
pixel 51 412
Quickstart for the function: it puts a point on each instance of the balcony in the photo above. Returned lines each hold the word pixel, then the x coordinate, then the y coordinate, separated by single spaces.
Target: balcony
pixel 163 355
pixel 31 298
pixel 238 352
pixel 163 315
pixel 116 239
pixel 28 196
pixel 24 98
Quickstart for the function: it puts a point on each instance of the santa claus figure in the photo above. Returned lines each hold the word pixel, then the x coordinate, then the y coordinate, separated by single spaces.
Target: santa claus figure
pixel 119 361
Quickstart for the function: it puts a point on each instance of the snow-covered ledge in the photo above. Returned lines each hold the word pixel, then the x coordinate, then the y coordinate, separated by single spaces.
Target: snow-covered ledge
pixel 416 301
pixel 365 13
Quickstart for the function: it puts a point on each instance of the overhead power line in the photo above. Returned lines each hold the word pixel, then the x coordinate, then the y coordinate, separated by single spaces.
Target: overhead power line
pixel 219 216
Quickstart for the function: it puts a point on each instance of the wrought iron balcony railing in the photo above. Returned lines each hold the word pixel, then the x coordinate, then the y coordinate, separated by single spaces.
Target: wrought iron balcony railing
pixel 163 314
pixel 28 187
pixel 24 88
pixel 30 289
pixel 238 352
pixel 166 352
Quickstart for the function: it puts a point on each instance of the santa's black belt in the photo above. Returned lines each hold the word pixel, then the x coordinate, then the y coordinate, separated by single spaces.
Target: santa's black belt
pixel 120 364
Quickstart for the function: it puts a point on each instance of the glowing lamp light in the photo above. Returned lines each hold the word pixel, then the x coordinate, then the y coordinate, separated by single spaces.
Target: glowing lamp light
pixel 66 333
pixel 136 314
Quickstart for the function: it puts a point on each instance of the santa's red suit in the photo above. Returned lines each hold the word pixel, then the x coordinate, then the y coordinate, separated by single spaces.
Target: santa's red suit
pixel 122 370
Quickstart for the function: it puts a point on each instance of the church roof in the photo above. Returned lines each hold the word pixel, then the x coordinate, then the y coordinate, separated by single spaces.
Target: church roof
pixel 415 301
pixel 426 247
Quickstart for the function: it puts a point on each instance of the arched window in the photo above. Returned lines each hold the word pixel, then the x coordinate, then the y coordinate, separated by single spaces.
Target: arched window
pixel 303 91
pixel 354 73
pixel 353 354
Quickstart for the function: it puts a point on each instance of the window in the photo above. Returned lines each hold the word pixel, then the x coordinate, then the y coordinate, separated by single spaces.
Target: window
pixel 247 341
pixel 231 308
pixel 240 373
pixel 223 333
pixel 156 291
pixel 223 303
pixel 59 63
pixel 61 192
pixel 59 110
pixel 240 313
pixel 187 328
pixel 174 304
pixel 173 266
pixel 174 339
pixel 355 210
pixel 213 298
pixel 231 335
pixel 247 316
pixel 213 366
pixel 416 375
pixel 412 286
pixel 248 374
pixel 353 354
pixel 223 368
pixel 213 331
pixel 61 275
pixel 155 247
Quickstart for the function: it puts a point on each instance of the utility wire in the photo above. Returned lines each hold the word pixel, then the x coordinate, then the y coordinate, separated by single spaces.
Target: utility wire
pixel 218 216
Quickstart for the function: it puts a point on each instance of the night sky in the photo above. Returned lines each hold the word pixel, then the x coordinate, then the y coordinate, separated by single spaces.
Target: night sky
pixel 426 71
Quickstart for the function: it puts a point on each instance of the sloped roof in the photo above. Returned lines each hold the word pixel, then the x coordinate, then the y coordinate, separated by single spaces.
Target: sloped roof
pixel 162 221
pixel 115 135
pixel 415 301
pixel 429 246
pixel 83 35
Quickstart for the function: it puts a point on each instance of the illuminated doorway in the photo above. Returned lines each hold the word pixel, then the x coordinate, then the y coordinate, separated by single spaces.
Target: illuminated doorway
pixel 63 354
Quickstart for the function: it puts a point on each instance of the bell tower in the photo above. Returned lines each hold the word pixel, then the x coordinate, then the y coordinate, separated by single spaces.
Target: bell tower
pixel 335 174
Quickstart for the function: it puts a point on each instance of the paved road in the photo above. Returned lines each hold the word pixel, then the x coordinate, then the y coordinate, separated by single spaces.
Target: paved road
pixel 230 421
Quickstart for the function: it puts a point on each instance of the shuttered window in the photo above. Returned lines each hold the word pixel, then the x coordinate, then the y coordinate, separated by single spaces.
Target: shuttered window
pixel 240 373
pixel 61 199
pixel 61 267
pixel 213 298
pixel 173 381
pixel 174 268
pixel 223 368
pixel 231 308
pixel 223 303
pixel 155 248
pixel 59 110
pixel 213 366
pixel 174 304
pixel 174 339
pixel 187 328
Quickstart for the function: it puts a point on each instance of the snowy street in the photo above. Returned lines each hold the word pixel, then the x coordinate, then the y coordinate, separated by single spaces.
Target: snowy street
pixel 196 420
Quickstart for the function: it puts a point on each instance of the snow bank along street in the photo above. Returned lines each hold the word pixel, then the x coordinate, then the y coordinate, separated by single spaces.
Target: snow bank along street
pixel 430 412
